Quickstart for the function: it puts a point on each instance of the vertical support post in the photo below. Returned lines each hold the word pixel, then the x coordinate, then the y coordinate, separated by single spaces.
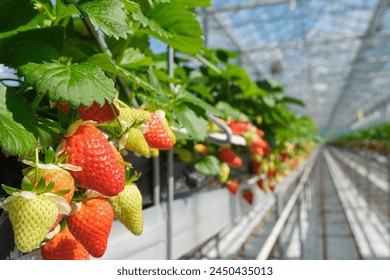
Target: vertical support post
pixel 299 221
pixel 368 184
pixel 171 182
pixel 156 180
pixel 205 27
pixel 279 210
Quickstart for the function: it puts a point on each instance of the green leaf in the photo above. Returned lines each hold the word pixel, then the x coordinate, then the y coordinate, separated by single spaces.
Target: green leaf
pixel 109 16
pixel 78 83
pixel 105 63
pixel 137 15
pixel 185 30
pixel 62 192
pixel 209 165
pixel 17 124
pixel 228 110
pixel 40 187
pixel 9 190
pixel 196 126
pixel 27 17
pixel 291 100
pixel 36 45
pixel 63 10
pixel 50 186
pixel 185 96
pixel 269 101
pixel 193 3
pixel 49 155
pixel 26 184
pixel 133 58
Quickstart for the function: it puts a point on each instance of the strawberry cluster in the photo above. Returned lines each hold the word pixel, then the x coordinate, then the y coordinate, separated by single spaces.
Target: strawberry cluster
pixel 262 159
pixel 67 206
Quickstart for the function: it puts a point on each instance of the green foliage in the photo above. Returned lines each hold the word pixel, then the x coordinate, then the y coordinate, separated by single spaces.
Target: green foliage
pixel 16 119
pixel 185 33
pixel 35 45
pixel 108 15
pixel 375 138
pixel 77 84
pixel 59 57
pixel 209 165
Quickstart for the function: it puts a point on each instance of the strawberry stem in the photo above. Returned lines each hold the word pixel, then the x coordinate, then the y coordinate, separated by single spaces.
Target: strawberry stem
pixel 125 163
pixel 123 104
pixel 36 166
pixel 116 118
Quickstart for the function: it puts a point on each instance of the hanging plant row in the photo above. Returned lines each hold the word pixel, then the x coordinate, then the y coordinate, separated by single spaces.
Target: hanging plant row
pixel 88 89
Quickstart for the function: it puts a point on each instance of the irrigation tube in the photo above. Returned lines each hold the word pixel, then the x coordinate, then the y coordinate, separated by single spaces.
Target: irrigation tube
pixel 226 129
pixel 277 229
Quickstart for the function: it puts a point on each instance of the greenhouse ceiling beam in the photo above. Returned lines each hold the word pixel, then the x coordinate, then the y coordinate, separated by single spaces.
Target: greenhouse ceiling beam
pixel 247 5
pixel 332 65
pixel 238 44
pixel 304 43
pixel 368 35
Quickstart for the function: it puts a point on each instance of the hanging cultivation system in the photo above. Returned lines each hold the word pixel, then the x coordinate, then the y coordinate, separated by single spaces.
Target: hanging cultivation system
pixel 89 90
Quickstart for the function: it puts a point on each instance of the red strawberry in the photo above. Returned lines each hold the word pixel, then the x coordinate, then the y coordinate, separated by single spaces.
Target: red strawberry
pixel 259 132
pixel 63 107
pixel 283 156
pixel 64 246
pixel 256 166
pixel 271 173
pixel 227 155
pixel 97 113
pixel 238 127
pixel 271 187
pixel 232 186
pixel 91 225
pixel 248 196
pixel 260 184
pixel 156 135
pixel 62 181
pixel 89 149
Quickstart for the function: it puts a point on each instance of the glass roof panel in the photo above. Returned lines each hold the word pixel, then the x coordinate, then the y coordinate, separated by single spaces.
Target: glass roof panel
pixel 332 52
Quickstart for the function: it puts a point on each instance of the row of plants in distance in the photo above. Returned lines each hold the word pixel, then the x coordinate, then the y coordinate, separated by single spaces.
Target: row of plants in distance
pixel 88 89
pixel 376 138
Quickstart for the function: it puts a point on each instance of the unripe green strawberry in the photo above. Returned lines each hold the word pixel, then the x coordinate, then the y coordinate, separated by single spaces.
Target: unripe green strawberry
pixel 183 154
pixel 62 181
pixel 63 246
pixel 91 225
pixel 224 172
pixel 89 149
pixel 133 116
pixel 127 207
pixel 154 152
pixel 32 217
pixel 136 142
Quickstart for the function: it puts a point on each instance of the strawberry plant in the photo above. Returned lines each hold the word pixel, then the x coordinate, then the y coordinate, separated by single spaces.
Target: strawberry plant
pixel 88 84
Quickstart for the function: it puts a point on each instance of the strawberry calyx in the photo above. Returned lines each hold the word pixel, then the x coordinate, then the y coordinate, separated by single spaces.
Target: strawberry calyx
pixel 74 126
pixel 62 204
pixel 75 207
pixel 52 233
pixel 51 166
